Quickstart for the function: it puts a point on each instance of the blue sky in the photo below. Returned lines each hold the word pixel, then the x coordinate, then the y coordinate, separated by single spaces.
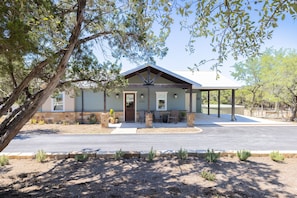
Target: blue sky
pixel 284 36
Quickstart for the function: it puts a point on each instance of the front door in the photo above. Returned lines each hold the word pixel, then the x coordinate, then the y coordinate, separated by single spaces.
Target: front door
pixel 129 107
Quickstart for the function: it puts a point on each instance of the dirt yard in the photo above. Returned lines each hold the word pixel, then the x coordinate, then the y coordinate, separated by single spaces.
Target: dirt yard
pixel 164 177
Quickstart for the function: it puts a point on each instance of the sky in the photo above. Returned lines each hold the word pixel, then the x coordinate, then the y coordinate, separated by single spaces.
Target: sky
pixel 284 36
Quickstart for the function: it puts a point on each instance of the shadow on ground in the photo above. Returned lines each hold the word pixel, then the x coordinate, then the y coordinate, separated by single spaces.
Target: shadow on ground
pixel 138 178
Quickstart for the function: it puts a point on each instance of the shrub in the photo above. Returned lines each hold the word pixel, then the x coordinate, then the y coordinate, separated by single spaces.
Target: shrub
pixel 151 155
pixel 81 157
pixel 40 156
pixel 211 156
pixel 182 154
pixel 4 160
pixel 276 156
pixel 93 119
pixel 243 155
pixel 119 154
pixel 208 175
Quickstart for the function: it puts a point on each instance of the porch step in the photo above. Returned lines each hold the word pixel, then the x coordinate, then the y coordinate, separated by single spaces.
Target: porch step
pixel 124 131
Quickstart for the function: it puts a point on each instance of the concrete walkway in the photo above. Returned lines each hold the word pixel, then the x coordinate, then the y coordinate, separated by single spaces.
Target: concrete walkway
pixel 201 119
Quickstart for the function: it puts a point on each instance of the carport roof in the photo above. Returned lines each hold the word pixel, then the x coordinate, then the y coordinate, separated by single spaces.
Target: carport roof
pixel 202 80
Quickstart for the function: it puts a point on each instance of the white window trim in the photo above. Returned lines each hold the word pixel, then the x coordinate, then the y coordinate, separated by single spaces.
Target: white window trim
pixel 158 96
pixel 63 101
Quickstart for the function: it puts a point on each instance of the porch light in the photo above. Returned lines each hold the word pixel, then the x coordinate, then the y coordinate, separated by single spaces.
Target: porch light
pixel 175 95
pixel 117 95
pixel 141 96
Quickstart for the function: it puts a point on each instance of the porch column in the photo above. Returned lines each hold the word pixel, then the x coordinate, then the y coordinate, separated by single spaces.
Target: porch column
pixel 191 101
pixel 233 118
pixel 148 99
pixel 219 103
pixel 208 95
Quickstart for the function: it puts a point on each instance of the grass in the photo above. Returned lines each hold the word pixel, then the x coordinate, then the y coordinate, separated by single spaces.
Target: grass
pixel 4 160
pixel 243 155
pixel 277 156
pixel 40 156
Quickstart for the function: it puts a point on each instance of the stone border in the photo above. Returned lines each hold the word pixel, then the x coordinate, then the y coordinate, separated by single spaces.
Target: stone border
pixel 140 155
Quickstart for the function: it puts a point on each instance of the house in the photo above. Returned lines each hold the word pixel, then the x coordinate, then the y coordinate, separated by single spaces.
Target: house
pixel 151 88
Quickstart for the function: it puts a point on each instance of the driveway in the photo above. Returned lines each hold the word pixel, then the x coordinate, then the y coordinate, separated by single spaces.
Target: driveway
pixel 222 138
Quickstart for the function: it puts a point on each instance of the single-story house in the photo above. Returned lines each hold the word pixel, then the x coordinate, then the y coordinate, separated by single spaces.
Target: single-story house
pixel 151 88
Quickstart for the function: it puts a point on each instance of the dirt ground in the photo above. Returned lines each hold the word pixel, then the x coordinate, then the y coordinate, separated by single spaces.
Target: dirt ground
pixel 164 177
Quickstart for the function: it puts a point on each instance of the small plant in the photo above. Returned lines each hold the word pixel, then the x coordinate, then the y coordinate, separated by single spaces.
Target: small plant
pixel 81 157
pixel 243 155
pixel 92 119
pixel 33 121
pixel 208 175
pixel 4 160
pixel 151 155
pixel 276 156
pixel 40 156
pixel 119 154
pixel 211 156
pixel 182 154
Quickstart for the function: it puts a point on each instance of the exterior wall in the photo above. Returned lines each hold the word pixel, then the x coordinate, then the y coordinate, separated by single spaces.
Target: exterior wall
pixel 69 104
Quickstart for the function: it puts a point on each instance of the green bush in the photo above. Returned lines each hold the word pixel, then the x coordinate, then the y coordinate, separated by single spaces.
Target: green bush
pixel 243 155
pixel 211 156
pixel 151 155
pixel 119 154
pixel 40 156
pixel 81 157
pixel 208 175
pixel 4 160
pixel 182 154
pixel 276 156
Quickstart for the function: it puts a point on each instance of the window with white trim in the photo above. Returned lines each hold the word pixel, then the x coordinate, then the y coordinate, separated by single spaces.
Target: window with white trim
pixel 58 102
pixel 161 101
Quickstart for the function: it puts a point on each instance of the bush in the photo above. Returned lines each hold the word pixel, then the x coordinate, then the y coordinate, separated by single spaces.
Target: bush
pixel 81 157
pixel 276 156
pixel 40 156
pixel 211 156
pixel 151 155
pixel 243 155
pixel 182 154
pixel 208 175
pixel 4 160
pixel 119 154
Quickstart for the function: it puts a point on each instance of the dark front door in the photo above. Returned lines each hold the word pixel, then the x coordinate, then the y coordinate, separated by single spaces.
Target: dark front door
pixel 130 107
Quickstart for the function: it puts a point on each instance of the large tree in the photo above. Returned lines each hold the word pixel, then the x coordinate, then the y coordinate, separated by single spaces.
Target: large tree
pixel 38 38
pixel 53 47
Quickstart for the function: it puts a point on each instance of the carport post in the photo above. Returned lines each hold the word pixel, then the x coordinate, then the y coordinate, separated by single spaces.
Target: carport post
pixel 219 103
pixel 233 106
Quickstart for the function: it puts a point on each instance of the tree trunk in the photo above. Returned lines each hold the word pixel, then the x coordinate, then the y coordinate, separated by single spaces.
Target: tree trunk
pixel 10 127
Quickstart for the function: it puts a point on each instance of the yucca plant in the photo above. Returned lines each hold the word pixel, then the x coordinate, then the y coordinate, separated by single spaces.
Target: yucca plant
pixel 81 157
pixel 40 156
pixel 211 156
pixel 208 175
pixel 151 155
pixel 277 156
pixel 182 154
pixel 243 155
pixel 119 154
pixel 4 160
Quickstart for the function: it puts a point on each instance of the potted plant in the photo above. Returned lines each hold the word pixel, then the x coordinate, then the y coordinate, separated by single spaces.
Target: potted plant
pixel 111 116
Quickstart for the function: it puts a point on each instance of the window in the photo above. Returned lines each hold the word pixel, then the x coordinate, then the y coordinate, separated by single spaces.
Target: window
pixel 161 101
pixel 58 102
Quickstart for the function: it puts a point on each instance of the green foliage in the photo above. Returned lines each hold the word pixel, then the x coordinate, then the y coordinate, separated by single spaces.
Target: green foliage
pixel 40 156
pixel 211 156
pixel 182 154
pixel 81 157
pixel 208 175
pixel 151 155
pixel 119 155
pixel 93 119
pixel 243 155
pixel 277 156
pixel 4 160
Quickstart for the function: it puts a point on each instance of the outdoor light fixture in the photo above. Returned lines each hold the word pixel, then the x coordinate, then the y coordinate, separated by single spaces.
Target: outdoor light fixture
pixel 175 95
pixel 141 96
pixel 117 95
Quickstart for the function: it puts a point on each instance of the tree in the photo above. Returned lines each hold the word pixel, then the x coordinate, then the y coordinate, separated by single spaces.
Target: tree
pixel 235 28
pixel 249 72
pixel 59 32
